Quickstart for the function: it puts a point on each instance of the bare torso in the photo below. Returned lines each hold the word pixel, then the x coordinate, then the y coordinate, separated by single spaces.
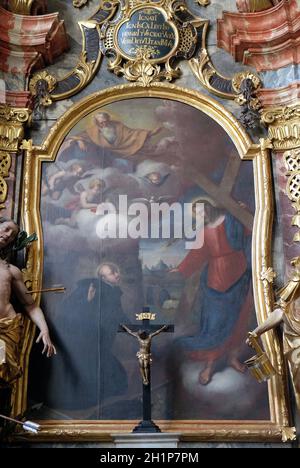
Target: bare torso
pixel 144 345
pixel 6 280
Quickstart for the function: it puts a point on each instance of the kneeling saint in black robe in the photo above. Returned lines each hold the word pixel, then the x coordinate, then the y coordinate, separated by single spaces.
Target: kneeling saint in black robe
pixel 86 371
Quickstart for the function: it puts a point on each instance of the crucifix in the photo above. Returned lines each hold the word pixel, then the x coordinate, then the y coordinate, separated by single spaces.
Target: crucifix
pixel 144 334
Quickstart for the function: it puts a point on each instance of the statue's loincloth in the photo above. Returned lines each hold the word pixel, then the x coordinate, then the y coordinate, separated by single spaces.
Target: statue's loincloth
pixel 11 332
pixel 144 357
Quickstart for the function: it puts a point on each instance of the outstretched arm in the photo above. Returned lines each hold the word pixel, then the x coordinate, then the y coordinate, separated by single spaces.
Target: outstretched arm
pixel 34 312
pixel 159 331
pixel 129 331
pixel 272 321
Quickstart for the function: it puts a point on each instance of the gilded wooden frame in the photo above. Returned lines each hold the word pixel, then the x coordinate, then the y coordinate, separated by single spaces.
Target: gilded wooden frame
pixel 278 427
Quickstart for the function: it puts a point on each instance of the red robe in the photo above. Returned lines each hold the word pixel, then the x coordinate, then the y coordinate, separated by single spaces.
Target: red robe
pixel 225 267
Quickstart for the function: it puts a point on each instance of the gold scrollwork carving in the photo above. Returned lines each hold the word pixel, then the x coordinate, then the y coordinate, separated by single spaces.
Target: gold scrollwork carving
pixel 219 85
pixel 79 3
pixel 88 63
pixel 20 7
pixel 268 274
pixel 5 165
pixel 283 126
pixel 143 71
pixel 28 270
pixel 34 87
pixel 149 37
pixel 288 434
pixel 84 70
pixel 12 122
pixel 237 82
pixel 14 114
pixel 204 70
pixel 292 164
pixel 203 2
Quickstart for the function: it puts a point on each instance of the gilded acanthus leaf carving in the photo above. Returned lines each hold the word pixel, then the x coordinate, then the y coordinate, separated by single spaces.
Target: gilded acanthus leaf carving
pixel 288 434
pixel 283 126
pixel 143 71
pixel 268 274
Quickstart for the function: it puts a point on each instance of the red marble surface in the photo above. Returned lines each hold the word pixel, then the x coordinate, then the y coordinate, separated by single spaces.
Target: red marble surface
pixel 19 99
pixel 280 96
pixel 266 40
pixel 30 42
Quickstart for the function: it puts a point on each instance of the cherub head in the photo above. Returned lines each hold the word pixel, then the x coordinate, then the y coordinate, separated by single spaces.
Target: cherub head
pixel 96 185
pixel 77 169
pixel 154 177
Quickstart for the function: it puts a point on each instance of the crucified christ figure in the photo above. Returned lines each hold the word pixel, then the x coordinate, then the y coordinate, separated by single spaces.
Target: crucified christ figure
pixel 144 354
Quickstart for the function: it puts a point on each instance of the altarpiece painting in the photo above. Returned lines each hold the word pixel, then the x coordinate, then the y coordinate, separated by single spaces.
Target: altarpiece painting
pixel 157 144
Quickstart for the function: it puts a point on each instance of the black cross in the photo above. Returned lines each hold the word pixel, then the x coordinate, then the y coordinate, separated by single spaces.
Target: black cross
pixel 142 332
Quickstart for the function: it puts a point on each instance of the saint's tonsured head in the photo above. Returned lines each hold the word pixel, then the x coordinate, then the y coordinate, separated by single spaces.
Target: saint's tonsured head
pixel 109 272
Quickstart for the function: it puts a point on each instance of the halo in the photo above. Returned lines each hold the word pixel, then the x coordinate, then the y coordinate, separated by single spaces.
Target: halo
pixel 204 198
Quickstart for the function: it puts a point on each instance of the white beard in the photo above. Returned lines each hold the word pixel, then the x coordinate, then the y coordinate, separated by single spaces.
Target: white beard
pixel 109 133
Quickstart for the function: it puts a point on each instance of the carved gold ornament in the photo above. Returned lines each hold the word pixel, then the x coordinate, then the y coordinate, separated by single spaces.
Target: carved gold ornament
pixel 145 316
pixel 12 122
pixel 20 7
pixel 284 133
pixel 5 165
pixel 148 38
pixel 143 71
pixel 203 2
pixel 79 3
pixel 238 80
pixel 88 61
pixel 12 129
pixel 50 81
pixel 292 164
pixel 209 77
pixel 173 34
pixel 289 434
pixel 143 40
pixel 283 126
pixel 216 83
pixel 268 274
